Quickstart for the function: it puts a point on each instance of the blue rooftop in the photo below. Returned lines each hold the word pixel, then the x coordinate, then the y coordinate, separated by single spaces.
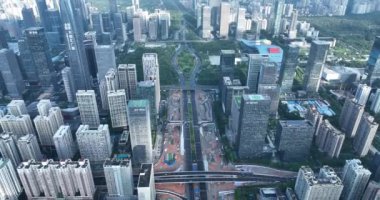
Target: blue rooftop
pixel 275 53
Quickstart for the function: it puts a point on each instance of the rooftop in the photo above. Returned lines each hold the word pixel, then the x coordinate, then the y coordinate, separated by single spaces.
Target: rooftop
pixel 138 103
pixel 255 97
pixel 144 175
pixel 295 123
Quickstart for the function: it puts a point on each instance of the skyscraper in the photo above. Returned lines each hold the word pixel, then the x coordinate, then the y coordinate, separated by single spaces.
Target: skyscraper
pixel 152 71
pixel 329 139
pixel 254 66
pixel 50 179
pixel 241 23
pixel 227 62
pixel 120 28
pixel 327 185
pixel 28 147
pixel 164 24
pixel 88 108
pixel 28 17
pixel 107 84
pixel 268 85
pixel 68 82
pixel 140 130
pixel 373 64
pixel 105 59
pixel 206 22
pixel 252 125
pixel 288 68
pixel 17 126
pixel 113 6
pixel 94 144
pixel 73 18
pixel 118 108
pixel 40 51
pixel 153 27
pixel 8 148
pixel 362 94
pixel 355 177
pixel 27 66
pixel 350 117
pixel 375 105
pixel 64 143
pixel 145 185
pixel 146 90
pixel 294 139
pixel 365 134
pixel 315 64
pixel 17 108
pixel 229 90
pixel 97 24
pixel 278 11
pixel 137 32
pixel 119 178
pixel 10 187
pixel 11 78
pixel 42 11
pixel 224 23
pixel 372 191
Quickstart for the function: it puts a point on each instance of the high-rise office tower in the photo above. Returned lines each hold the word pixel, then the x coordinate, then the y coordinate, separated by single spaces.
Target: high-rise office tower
pixel 315 117
pixel 230 89
pixel 88 108
pixel 152 71
pixel 294 139
pixel 136 4
pixel 73 20
pixel 113 6
pixel 17 126
pixel 27 66
pixel 8 148
pixel 164 24
pixel 97 24
pixel 140 130
pixel 329 139
pixel 241 23
pixel 68 82
pixel 107 84
pixel 64 143
pixel 40 51
pixel 365 134
pixel 373 64
pixel 17 108
pixel 55 23
pixel 10 73
pixel 288 68
pixel 350 117
pixel 118 108
pixel 292 33
pixel 355 177
pixel 227 62
pixel 107 23
pixel 42 11
pixel 122 72
pixel 10 187
pixel 137 29
pixel 105 59
pixel 206 22
pixel 119 178
pixel 120 28
pixel 224 23
pixel 362 94
pixel 254 66
pixel 28 17
pixel 94 144
pixel 153 27
pixel 28 147
pixel 278 11
pixel 315 64
pixel 252 127
pixel 372 191
pixel 146 90
pixel 48 122
pixel 145 185
pixel 50 179
pixel 90 44
pixel 375 105
pixel 327 185
pixel 268 85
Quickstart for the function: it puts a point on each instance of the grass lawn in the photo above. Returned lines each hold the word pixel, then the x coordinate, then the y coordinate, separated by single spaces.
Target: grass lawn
pixel 354 33
pixel 186 63
pixel 168 75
